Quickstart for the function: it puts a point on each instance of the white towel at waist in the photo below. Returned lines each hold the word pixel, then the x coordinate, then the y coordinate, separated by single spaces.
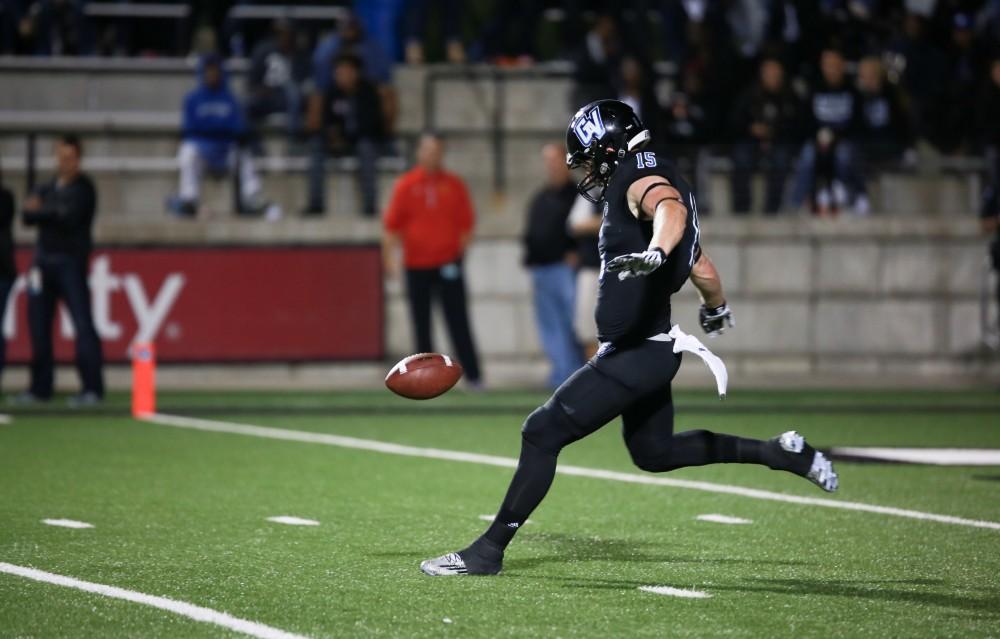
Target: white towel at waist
pixel 684 342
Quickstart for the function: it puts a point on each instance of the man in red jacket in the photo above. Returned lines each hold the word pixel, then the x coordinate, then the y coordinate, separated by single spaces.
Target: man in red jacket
pixel 431 214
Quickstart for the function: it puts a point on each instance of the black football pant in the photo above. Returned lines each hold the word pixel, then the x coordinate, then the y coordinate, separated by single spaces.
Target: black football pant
pixel 55 278
pixel 447 285
pixel 633 383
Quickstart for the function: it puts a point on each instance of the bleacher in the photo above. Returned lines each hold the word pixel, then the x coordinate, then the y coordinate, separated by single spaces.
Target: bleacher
pixel 127 112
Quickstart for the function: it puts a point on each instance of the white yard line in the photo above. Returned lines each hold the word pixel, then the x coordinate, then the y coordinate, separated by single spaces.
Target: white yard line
pixel 723 519
pixel 67 523
pixel 508 462
pixel 5 419
pixel 492 517
pixel 675 592
pixel 293 521
pixel 191 611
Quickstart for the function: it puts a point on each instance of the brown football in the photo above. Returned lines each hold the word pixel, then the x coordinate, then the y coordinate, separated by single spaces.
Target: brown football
pixel 423 376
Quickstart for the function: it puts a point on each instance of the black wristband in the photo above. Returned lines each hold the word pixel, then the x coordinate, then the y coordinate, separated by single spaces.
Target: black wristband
pixel 662 253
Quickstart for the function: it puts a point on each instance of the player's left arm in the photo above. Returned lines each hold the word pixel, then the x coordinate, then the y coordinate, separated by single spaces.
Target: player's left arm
pixel 653 198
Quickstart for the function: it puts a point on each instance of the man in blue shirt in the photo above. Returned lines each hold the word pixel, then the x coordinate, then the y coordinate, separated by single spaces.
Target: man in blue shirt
pixel 212 128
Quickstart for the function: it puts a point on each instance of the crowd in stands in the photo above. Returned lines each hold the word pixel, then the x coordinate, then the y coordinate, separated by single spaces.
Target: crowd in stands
pixel 813 93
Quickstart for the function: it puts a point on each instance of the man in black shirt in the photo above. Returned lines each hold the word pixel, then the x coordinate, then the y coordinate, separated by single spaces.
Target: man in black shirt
pixel 650 246
pixel 351 123
pixel 549 255
pixel 8 270
pixel 885 129
pixel 767 124
pixel 988 133
pixel 63 209
pixel 828 167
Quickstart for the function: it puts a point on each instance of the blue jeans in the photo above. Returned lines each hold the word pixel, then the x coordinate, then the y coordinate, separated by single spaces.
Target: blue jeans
pixel 846 169
pixel 554 288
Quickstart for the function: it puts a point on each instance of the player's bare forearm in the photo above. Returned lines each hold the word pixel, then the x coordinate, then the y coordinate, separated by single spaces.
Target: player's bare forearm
pixel 669 221
pixel 706 279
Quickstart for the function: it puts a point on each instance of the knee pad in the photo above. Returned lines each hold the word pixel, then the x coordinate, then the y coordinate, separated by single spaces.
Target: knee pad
pixel 549 429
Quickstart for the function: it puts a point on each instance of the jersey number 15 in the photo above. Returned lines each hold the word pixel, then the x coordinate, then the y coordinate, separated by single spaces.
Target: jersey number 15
pixel 645 160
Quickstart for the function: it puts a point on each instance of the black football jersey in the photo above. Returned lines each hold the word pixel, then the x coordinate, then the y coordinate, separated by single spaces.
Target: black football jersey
pixel 637 308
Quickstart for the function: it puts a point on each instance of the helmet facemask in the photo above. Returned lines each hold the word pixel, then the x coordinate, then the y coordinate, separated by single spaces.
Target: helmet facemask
pixel 599 169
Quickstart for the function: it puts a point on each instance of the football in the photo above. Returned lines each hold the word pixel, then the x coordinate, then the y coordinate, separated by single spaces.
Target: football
pixel 423 376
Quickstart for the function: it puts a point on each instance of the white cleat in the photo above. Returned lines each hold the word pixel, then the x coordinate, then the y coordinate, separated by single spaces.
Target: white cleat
pixel 821 471
pixel 446 565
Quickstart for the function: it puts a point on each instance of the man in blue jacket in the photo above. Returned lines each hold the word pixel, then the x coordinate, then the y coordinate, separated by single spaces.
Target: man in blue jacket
pixel 212 128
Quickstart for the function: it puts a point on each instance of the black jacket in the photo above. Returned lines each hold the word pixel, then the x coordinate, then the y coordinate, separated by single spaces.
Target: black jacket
pixel 781 111
pixel 546 238
pixel 352 117
pixel 64 222
pixel 7 267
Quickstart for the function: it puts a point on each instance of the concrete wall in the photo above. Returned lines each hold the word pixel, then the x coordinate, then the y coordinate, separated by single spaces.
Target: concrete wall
pixel 887 301
pixel 874 298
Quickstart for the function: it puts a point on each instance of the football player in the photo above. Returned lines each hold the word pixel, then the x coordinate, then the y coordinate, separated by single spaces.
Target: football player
pixel 649 244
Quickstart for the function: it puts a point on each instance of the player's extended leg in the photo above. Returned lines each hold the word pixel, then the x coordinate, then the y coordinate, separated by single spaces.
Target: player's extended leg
pixel 648 427
pixel 588 400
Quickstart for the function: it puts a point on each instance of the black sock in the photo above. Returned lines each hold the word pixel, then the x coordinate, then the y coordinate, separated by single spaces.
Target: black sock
pixel 702 447
pixel 535 470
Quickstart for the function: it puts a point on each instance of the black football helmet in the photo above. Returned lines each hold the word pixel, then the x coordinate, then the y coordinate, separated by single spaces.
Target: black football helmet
pixel 598 138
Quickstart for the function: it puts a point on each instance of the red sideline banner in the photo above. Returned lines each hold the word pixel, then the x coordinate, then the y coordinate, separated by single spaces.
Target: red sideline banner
pixel 223 304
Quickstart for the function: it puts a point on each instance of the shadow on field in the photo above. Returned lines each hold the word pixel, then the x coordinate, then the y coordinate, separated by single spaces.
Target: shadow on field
pixel 876 590
pixel 570 548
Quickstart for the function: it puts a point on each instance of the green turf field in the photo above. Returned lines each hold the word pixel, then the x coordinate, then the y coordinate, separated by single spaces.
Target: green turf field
pixel 181 513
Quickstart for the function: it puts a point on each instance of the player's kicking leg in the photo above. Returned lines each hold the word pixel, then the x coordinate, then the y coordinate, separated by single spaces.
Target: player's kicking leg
pixel 647 427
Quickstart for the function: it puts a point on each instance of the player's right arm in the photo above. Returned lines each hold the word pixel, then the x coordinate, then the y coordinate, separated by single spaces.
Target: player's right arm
pixel 715 313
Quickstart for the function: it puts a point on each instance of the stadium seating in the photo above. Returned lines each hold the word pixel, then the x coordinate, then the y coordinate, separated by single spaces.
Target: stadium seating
pixel 897 295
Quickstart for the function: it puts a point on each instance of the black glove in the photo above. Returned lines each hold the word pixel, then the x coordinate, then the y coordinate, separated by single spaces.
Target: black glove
pixel 714 320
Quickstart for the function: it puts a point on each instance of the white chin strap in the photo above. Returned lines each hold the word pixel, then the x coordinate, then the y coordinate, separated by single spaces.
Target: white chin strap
pixel 639 141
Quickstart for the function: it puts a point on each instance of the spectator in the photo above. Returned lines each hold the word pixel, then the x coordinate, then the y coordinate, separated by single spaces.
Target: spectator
pixel 585 225
pixel 211 133
pixel 833 115
pixel 688 127
pixel 988 131
pixel 8 270
pixel 279 68
pixel 382 20
pixel 449 14
pixel 351 40
pixel 923 70
pixel 63 209
pixel 965 73
pixel 431 215
pixel 351 124
pixel 510 34
pixel 767 125
pixel 885 130
pixel 596 64
pixel 549 254
pixel 636 90
pixel 54 27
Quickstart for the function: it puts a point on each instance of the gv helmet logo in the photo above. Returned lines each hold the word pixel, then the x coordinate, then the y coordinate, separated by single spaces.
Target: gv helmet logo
pixel 589 127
